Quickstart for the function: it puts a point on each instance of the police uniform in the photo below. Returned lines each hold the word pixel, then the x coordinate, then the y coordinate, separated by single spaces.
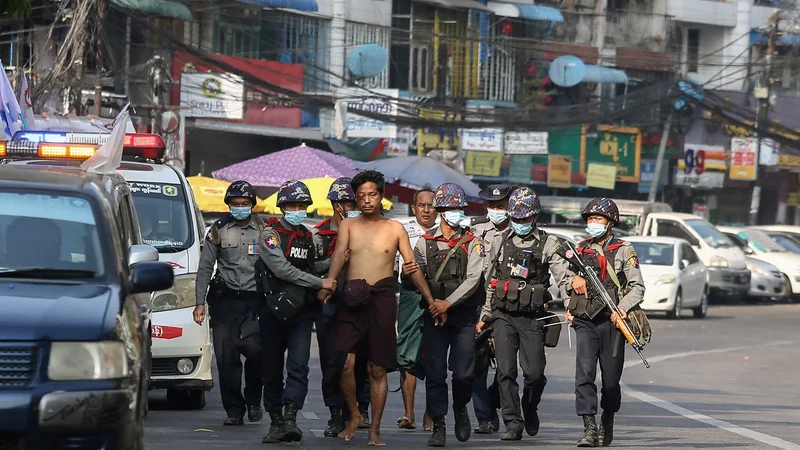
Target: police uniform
pixel 458 283
pixel 516 296
pixel 293 255
pixel 486 400
pixel 234 302
pixel 598 339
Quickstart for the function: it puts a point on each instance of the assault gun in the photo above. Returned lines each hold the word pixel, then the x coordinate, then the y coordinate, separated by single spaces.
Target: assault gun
pixel 567 251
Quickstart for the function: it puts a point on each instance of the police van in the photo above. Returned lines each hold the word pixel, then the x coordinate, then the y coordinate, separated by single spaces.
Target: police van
pixel 170 221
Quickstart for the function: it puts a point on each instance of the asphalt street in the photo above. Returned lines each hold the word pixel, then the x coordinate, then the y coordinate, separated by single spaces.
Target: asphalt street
pixel 726 381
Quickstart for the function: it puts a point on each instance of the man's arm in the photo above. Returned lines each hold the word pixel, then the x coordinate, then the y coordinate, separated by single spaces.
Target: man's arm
pixel 630 266
pixel 205 268
pixel 474 273
pixel 491 256
pixel 269 250
pixel 342 244
pixel 410 255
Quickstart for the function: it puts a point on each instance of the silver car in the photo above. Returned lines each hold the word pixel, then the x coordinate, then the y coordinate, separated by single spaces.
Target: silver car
pixel 766 280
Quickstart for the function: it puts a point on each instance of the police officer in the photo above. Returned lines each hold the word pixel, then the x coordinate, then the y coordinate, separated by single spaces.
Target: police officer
pixel 343 202
pixel 292 256
pixel 452 260
pixel 521 261
pixel 232 244
pixel 616 263
pixel 485 400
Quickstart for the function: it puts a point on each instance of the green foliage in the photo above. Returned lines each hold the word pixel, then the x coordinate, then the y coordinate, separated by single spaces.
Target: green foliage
pixel 532 88
pixel 10 7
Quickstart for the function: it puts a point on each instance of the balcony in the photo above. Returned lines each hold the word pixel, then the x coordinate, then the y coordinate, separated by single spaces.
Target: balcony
pixel 651 32
pixel 703 12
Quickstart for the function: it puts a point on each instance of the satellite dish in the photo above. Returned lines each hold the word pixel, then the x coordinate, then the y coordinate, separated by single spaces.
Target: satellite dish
pixel 368 61
pixel 567 71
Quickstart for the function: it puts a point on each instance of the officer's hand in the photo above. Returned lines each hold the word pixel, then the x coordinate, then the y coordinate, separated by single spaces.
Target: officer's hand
pixel 323 295
pixel 199 314
pixel 329 284
pixel 579 285
pixel 622 315
pixel 568 317
pixel 479 327
pixel 410 267
pixel 439 321
pixel 439 307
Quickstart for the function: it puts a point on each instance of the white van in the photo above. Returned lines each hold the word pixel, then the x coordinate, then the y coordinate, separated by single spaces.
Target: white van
pixel 170 221
pixel 632 213
pixel 727 270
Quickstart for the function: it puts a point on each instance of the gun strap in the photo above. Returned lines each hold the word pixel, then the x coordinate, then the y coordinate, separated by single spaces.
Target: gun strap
pixel 609 268
pixel 493 266
pixel 450 255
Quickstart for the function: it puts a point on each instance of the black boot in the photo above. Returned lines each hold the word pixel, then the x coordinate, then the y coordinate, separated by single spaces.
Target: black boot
pixel 606 433
pixel 254 413
pixel 275 429
pixel 336 424
pixel 483 427
pixel 439 436
pixel 532 423
pixel 589 438
pixel 291 433
pixel 494 424
pixel 511 434
pixel 463 425
pixel 364 410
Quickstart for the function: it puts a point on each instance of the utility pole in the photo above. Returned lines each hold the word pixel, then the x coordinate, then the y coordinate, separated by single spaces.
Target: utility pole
pixel 762 94
pixel 651 196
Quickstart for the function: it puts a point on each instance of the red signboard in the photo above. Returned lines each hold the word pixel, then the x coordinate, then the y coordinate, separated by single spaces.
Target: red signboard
pixel 287 76
pixel 166 332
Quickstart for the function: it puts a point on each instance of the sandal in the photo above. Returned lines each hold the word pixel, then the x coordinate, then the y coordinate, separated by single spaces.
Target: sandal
pixel 406 424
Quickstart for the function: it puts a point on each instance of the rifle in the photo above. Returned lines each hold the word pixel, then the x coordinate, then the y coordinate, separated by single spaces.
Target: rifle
pixel 567 251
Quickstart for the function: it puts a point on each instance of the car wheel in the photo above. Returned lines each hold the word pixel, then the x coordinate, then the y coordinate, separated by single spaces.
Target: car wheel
pixel 675 314
pixel 789 295
pixel 701 310
pixel 193 399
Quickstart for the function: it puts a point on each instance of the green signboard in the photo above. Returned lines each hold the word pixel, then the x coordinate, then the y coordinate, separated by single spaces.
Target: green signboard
pixel 519 169
pixel 566 142
pixel 620 146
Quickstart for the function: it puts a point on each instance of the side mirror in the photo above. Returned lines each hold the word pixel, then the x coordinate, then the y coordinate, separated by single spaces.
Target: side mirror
pixel 684 263
pixel 148 276
pixel 749 251
pixel 142 253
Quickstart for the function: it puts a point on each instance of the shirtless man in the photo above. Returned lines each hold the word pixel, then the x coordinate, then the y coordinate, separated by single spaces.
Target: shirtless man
pixel 366 323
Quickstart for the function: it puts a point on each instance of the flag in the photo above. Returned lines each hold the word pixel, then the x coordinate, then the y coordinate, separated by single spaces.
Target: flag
pixel 9 109
pixel 109 155
pixel 25 103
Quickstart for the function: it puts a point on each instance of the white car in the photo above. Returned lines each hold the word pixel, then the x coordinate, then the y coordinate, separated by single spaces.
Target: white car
pixel 765 249
pixel 674 276
pixel 575 236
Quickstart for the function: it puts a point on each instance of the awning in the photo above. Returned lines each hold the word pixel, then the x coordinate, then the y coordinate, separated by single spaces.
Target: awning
pixel 600 74
pixel 309 134
pixel 161 8
pixel 762 37
pixel 529 12
pixel 457 4
pixel 300 5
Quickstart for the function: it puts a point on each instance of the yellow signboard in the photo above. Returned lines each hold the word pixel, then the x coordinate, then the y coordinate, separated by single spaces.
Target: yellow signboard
pixel 788 160
pixel 559 171
pixel 602 176
pixel 791 200
pixel 744 158
pixel 485 164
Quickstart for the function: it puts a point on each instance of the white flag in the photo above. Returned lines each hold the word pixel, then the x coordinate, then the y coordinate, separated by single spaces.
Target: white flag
pixel 25 103
pixel 109 155
pixel 9 109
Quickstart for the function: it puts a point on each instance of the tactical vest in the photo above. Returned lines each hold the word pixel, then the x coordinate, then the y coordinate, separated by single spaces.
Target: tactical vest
pixel 297 245
pixel 522 276
pixel 328 237
pixel 579 305
pixel 455 271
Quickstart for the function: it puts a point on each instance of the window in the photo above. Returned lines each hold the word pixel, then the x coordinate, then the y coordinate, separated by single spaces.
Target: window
pixel 688 253
pixel 693 55
pixel 657 254
pixel 421 72
pixel 786 242
pixel 51 231
pixel 708 233
pixel 674 229
pixel 761 242
pixel 163 215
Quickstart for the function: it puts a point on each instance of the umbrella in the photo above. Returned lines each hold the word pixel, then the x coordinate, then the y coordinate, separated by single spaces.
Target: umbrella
pixel 209 193
pixel 319 193
pixel 416 171
pixel 298 163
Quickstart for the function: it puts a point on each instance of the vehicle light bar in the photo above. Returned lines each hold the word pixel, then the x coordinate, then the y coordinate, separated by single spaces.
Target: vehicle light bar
pixel 148 146
pixel 2 148
pixel 72 151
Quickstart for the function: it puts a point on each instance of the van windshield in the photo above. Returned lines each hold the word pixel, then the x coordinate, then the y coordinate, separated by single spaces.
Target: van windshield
pixel 708 233
pixel 163 215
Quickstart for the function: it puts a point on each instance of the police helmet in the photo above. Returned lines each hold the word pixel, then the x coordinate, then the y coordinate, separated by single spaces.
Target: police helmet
pixel 603 207
pixel 240 189
pixel 449 195
pixel 341 191
pixel 293 191
pixel 523 204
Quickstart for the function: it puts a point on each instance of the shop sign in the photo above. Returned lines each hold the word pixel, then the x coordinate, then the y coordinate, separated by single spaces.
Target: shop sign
pixel 619 146
pixel 647 173
pixel 602 176
pixel 485 164
pixel 379 101
pixel 743 159
pixel 482 139
pixel 788 160
pixel 693 172
pixel 212 95
pixel 526 143
pixel 399 145
pixel 519 169
pixel 559 171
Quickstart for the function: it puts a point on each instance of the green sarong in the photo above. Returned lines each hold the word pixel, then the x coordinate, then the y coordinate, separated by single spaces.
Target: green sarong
pixel 409 329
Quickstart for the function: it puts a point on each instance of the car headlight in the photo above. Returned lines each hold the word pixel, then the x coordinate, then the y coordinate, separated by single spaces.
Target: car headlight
pixel 73 361
pixel 718 261
pixel 180 295
pixel 665 279
pixel 756 269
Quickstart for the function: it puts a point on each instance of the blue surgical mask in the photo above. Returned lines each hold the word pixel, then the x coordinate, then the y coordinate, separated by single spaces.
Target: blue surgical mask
pixel 352 214
pixel 595 230
pixel 454 217
pixel 241 212
pixel 295 217
pixel 497 216
pixel 522 229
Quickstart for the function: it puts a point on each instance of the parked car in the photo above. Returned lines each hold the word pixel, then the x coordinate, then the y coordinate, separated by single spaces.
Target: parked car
pixel 674 276
pixel 765 249
pixel 766 280
pixel 573 235
pixel 787 241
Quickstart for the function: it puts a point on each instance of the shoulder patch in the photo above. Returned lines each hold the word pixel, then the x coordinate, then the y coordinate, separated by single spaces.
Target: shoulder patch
pixel 271 239
pixel 634 260
pixel 480 248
